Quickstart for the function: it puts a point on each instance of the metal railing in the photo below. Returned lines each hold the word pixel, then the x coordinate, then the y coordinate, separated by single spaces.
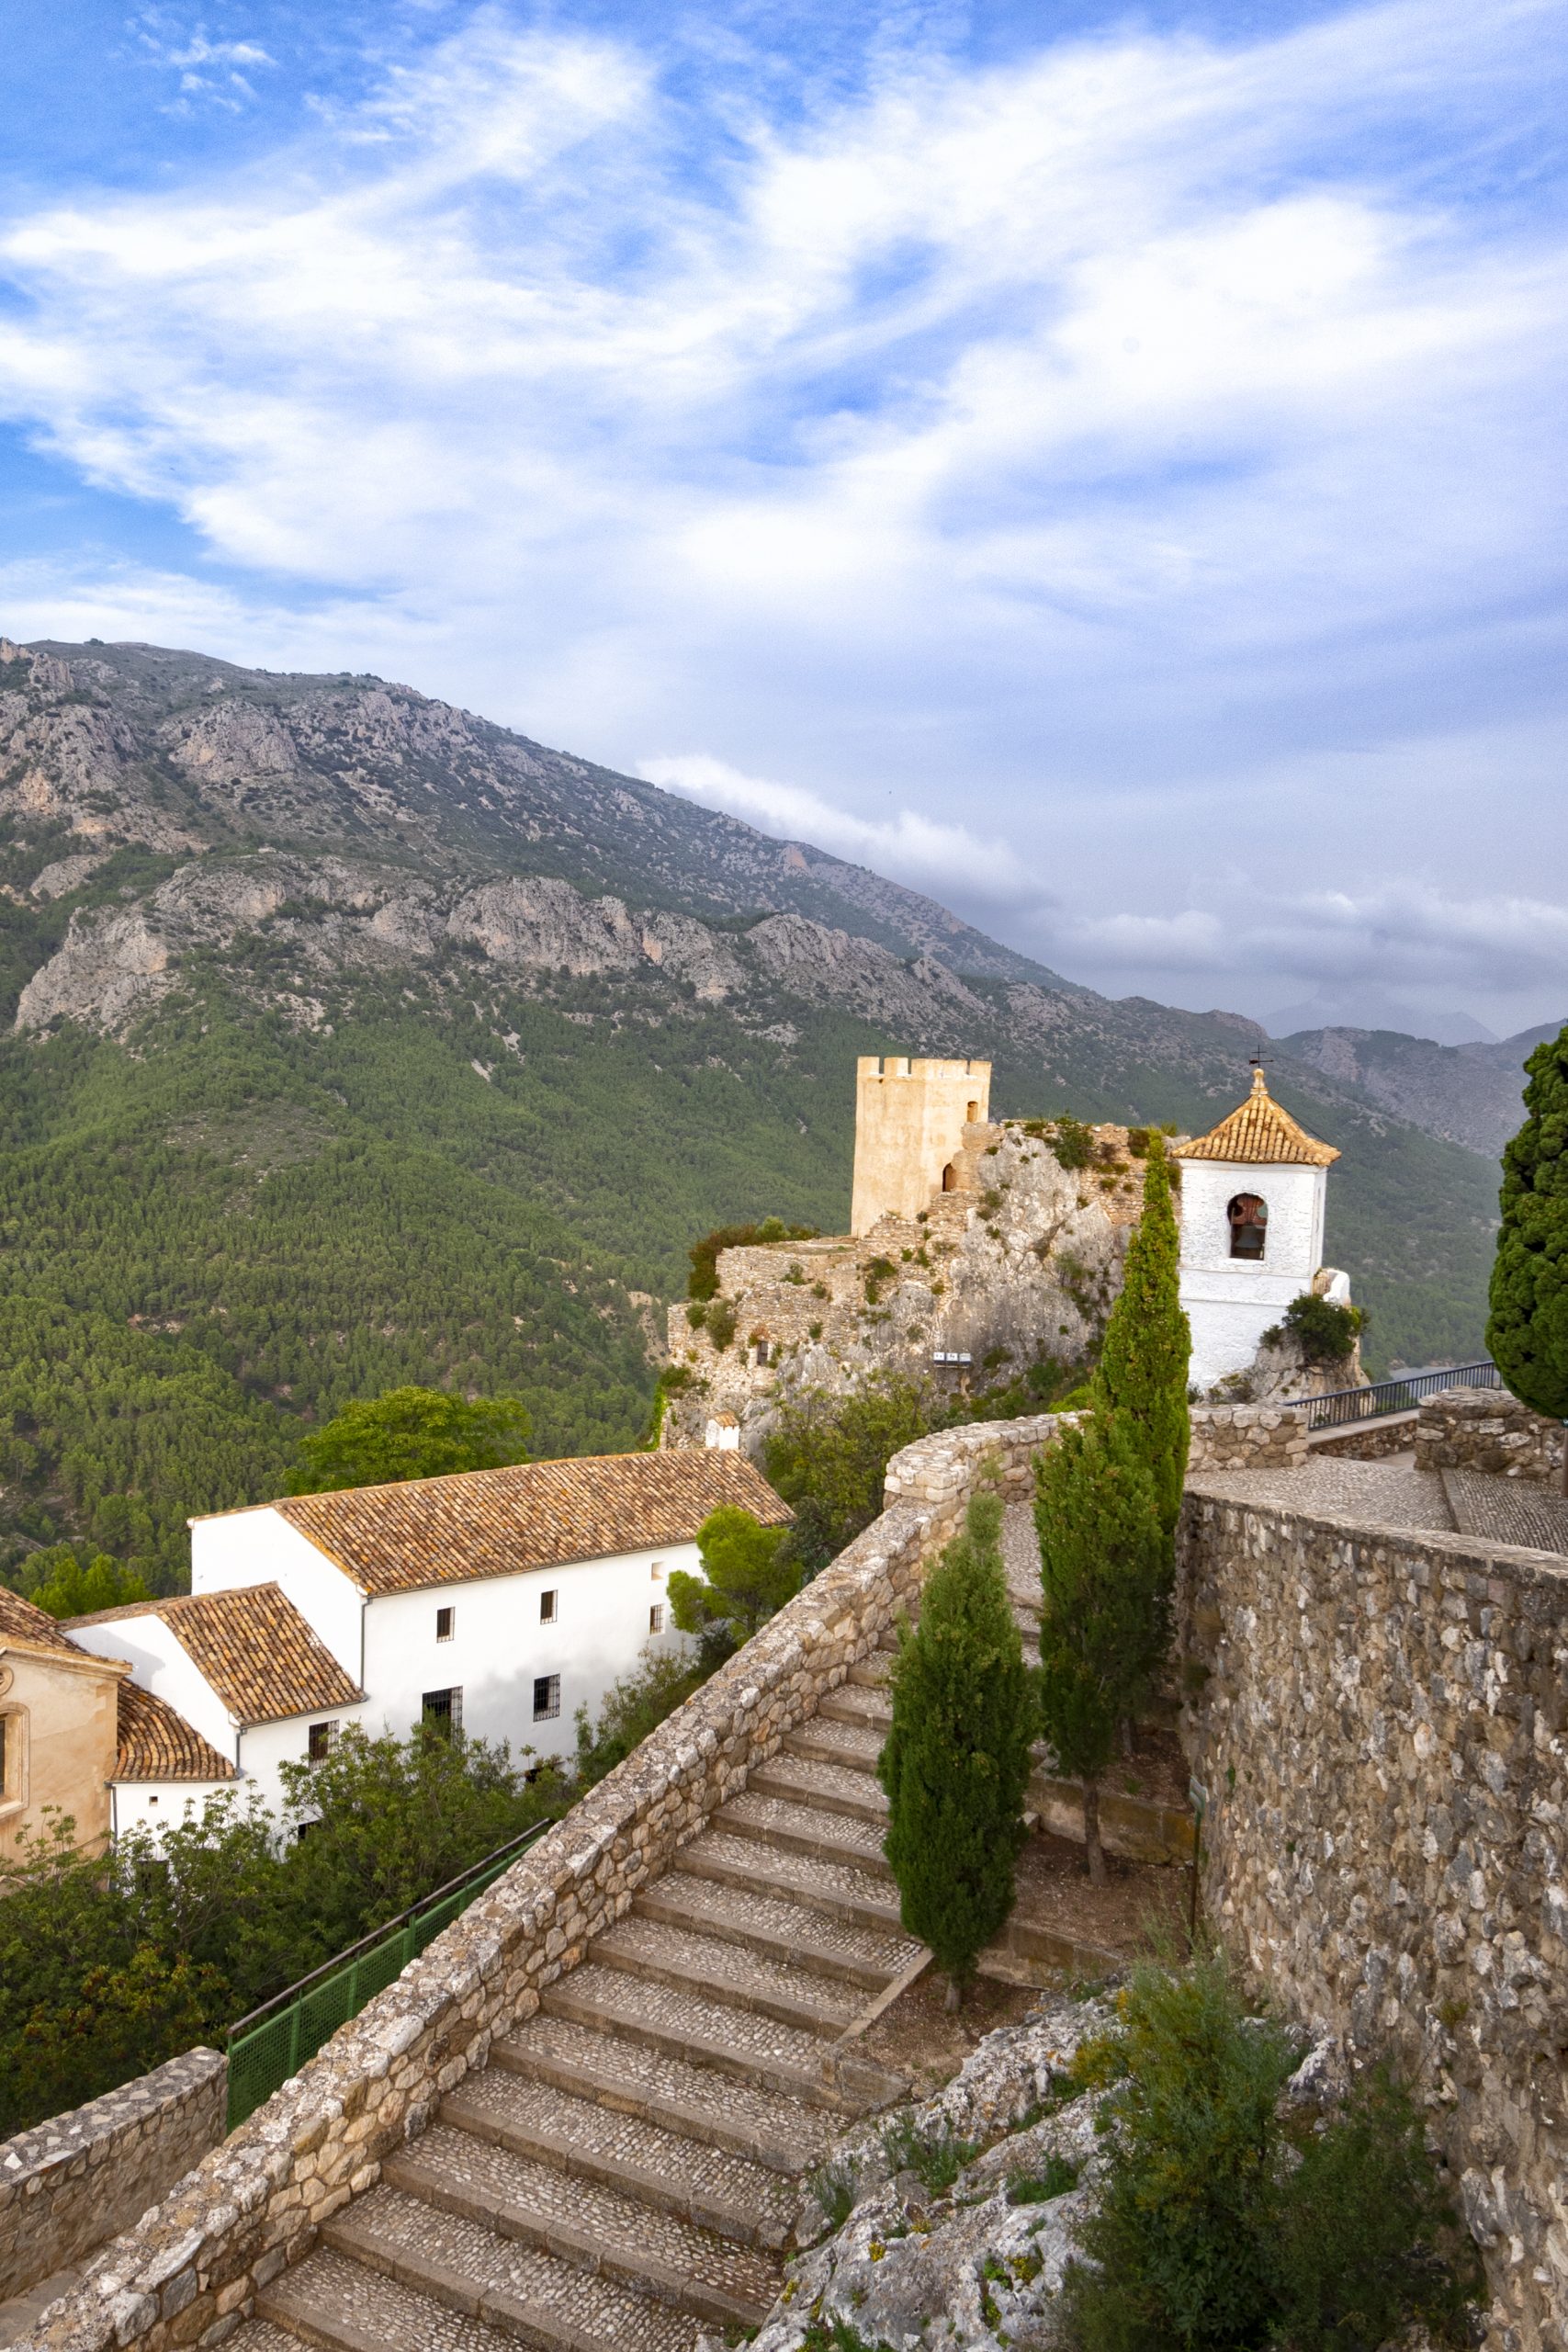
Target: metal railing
pixel 1340 1407
pixel 275 2040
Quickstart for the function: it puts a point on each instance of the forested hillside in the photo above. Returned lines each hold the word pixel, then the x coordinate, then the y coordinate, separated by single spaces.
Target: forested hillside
pixel 304 1100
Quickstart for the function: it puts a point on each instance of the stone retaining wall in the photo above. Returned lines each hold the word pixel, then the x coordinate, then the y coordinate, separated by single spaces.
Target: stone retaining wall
pixel 1365 1440
pixel 1485 1429
pixel 189 2271
pixel 69 2183
pixel 1246 1437
pixel 1379 1719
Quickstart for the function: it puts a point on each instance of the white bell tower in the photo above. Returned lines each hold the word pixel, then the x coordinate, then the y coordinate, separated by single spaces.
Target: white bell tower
pixel 1252 1194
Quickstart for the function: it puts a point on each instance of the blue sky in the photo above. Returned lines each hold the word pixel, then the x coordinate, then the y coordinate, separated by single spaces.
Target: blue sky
pixel 1102 467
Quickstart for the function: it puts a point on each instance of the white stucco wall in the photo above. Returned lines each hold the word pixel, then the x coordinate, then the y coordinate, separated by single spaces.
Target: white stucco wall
pixel 158 1805
pixel 499 1645
pixel 1231 1302
pixel 259 1546
pixel 160 1665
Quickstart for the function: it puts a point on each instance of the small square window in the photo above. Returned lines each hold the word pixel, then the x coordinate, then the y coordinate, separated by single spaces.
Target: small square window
pixel 442 1710
pixel 320 1742
pixel 657 1572
pixel 547 1608
pixel 656 1617
pixel 445 1624
pixel 546 1696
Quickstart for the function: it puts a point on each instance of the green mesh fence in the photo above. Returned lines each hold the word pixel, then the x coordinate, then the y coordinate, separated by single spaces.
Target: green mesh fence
pixel 264 2053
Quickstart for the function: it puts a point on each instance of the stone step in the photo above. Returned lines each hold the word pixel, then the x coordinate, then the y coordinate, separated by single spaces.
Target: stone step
pixel 805 1829
pixel 260 2335
pixel 856 1746
pixel 845 1891
pixel 786 2134
pixel 827 1788
pixel 800 1933
pixel 730 1972
pixel 873 1672
pixel 584 2222
pixel 851 1704
pixel 419 2281
pixel 690 2177
pixel 704 2032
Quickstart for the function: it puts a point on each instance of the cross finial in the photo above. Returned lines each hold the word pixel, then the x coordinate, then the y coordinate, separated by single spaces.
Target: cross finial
pixel 1260 1083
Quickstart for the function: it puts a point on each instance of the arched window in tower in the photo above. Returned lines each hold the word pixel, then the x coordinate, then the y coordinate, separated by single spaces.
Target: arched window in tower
pixel 950 1177
pixel 1250 1226
pixel 972 1112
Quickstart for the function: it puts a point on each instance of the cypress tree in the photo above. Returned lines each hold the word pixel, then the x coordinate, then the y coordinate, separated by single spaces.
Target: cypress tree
pixel 956 1760
pixel 1102 1571
pixel 1527 1329
pixel 1143 1363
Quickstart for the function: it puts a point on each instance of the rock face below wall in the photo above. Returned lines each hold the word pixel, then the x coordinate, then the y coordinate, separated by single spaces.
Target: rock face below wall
pixel 1020 1261
pixel 1382 1721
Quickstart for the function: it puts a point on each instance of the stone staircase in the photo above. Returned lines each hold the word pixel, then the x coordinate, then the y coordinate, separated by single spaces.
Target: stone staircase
pixel 627 2169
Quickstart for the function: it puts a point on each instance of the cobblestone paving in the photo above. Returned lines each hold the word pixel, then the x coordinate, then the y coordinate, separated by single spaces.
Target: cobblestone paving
pixel 511 2276
pixel 1507 1511
pixel 1377 1494
pixel 689 2172
pixel 858 1745
pixel 776 1866
pixel 1020 1552
pixel 709 2025
pixel 260 2335
pixel 707 1901
pixel 581 2215
pixel 653 2077
pixel 775 1816
pixel 852 1703
pixel 702 1959
pixel 831 1784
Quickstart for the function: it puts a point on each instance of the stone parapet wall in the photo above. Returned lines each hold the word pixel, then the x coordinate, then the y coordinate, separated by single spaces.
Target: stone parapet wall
pixel 1485 1429
pixel 1246 1437
pixel 1365 1440
pixel 189 2271
pixel 1379 1720
pixel 71 2182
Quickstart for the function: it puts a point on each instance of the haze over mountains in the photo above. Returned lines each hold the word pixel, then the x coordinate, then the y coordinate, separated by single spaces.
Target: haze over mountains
pixel 356 1039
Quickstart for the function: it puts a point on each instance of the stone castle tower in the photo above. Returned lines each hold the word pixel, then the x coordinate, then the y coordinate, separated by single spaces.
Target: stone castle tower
pixel 909 1122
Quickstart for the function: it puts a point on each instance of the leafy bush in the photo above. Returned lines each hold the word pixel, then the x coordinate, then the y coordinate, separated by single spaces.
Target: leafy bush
pixel 936 2156
pixel 1072 1141
pixel 1325 1331
pixel 827 1456
pixel 1055 2176
pixel 1211 2235
pixel 410 1433
pixel 747 1577
pixel 721 1323
pixel 702 1283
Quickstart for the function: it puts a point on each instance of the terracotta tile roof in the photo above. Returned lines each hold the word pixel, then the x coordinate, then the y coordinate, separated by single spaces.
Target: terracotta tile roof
pixel 23 1621
pixel 535 1515
pixel 157 1744
pixel 1258 1131
pixel 254 1648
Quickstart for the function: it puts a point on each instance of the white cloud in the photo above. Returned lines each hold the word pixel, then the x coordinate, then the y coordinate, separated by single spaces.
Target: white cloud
pixel 906 844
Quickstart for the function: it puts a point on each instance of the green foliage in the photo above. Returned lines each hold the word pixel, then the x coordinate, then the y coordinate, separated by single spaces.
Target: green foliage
pixel 720 1321
pixel 1528 1330
pixel 632 1708
pixel 1143 1357
pixel 956 1760
pixel 111 1963
pixel 747 1577
pixel 1325 1331
pixel 1209 2235
pixel 936 2156
pixel 73 1580
pixel 702 1283
pixel 828 1456
pixel 1055 2176
pixel 835 2185
pixel 1072 1141
pixel 1104 1560
pixel 410 1433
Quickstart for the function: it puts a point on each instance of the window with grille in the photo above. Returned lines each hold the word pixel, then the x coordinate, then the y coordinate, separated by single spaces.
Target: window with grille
pixel 320 1742
pixel 656 1617
pixel 442 1710
pixel 446 1624
pixel 547 1608
pixel 546 1697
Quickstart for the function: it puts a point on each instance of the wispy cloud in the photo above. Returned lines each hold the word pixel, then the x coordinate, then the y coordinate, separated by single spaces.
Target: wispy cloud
pixel 1070 445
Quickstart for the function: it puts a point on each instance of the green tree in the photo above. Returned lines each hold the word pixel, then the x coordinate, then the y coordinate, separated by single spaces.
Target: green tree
pixel 1528 1330
pixel 828 1457
pixel 747 1577
pixel 410 1433
pixel 956 1760
pixel 632 1708
pixel 1103 1556
pixel 73 1580
pixel 1144 1359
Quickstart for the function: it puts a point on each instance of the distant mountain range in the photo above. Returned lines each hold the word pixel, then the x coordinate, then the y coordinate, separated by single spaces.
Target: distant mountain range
pixel 356 1039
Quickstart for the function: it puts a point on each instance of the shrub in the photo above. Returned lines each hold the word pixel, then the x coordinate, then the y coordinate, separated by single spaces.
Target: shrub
pixel 1072 1141
pixel 934 2156
pixel 632 1708
pixel 1325 1331
pixel 721 1323
pixel 827 1457
pixel 1055 2176
pixel 747 1577
pixel 835 2186
pixel 702 1283
pixel 956 1760
pixel 1527 1330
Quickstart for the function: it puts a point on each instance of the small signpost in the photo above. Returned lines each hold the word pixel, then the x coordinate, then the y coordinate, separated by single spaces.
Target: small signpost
pixel 1199 1796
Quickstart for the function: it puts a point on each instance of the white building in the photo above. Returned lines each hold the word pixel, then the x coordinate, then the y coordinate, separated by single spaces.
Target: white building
pixel 238 1676
pixel 1253 1195
pixel 498 1600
